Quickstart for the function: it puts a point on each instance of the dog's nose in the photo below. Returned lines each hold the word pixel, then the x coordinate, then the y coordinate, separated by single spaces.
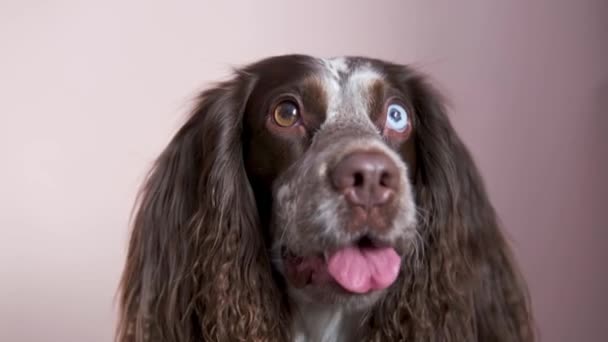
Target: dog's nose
pixel 366 178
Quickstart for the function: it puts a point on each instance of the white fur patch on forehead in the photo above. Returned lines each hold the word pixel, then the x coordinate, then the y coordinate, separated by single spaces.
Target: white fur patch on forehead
pixel 363 77
pixel 349 92
pixel 335 66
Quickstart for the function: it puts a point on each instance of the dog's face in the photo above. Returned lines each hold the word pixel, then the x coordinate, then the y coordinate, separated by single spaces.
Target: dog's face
pixel 329 150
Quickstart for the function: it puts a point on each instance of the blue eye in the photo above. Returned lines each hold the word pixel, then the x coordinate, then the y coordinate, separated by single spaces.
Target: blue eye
pixel 396 118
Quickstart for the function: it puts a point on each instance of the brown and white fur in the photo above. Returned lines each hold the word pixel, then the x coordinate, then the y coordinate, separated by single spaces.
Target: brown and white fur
pixel 239 203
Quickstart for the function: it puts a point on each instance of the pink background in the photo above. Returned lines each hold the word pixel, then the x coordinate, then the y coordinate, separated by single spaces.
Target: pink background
pixel 90 93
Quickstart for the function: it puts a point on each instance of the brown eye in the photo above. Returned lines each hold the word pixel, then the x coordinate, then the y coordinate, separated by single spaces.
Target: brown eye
pixel 286 114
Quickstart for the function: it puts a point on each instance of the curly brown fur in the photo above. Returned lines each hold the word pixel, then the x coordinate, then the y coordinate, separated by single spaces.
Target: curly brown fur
pixel 187 277
pixel 199 265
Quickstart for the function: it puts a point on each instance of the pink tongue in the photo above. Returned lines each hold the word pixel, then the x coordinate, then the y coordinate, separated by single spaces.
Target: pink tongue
pixel 360 270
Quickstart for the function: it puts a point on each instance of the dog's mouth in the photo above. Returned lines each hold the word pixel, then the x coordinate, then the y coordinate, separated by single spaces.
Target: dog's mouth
pixel 358 268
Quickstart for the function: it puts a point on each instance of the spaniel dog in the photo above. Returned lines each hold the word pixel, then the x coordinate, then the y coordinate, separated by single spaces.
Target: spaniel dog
pixel 310 199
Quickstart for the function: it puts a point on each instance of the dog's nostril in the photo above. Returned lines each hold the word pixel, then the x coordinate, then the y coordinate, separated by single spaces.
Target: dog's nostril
pixel 385 179
pixel 359 179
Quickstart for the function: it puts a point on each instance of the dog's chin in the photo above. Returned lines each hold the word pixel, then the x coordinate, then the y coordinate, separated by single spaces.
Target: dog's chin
pixel 332 294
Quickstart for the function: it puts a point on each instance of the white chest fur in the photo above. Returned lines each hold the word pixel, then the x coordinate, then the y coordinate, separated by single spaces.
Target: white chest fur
pixel 325 324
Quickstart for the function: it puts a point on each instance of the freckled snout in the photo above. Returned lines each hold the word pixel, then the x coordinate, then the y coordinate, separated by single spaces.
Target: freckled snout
pixel 367 179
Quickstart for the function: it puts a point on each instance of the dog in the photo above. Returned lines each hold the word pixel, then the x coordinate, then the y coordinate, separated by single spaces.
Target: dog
pixel 312 199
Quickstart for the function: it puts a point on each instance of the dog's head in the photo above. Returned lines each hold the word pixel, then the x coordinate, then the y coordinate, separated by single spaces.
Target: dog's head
pixel 329 151
pixel 338 182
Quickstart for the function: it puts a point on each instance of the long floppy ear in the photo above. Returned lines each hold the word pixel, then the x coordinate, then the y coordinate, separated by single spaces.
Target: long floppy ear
pixel 196 267
pixel 465 286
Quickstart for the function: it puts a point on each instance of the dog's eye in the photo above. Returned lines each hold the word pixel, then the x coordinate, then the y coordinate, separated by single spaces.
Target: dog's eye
pixel 396 118
pixel 286 114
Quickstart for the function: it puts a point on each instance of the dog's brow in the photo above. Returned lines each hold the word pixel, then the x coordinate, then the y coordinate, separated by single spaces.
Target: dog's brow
pixel 315 98
pixel 314 89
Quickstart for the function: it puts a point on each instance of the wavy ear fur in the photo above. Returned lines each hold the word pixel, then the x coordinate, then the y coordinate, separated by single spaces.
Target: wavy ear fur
pixel 196 265
pixel 465 285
